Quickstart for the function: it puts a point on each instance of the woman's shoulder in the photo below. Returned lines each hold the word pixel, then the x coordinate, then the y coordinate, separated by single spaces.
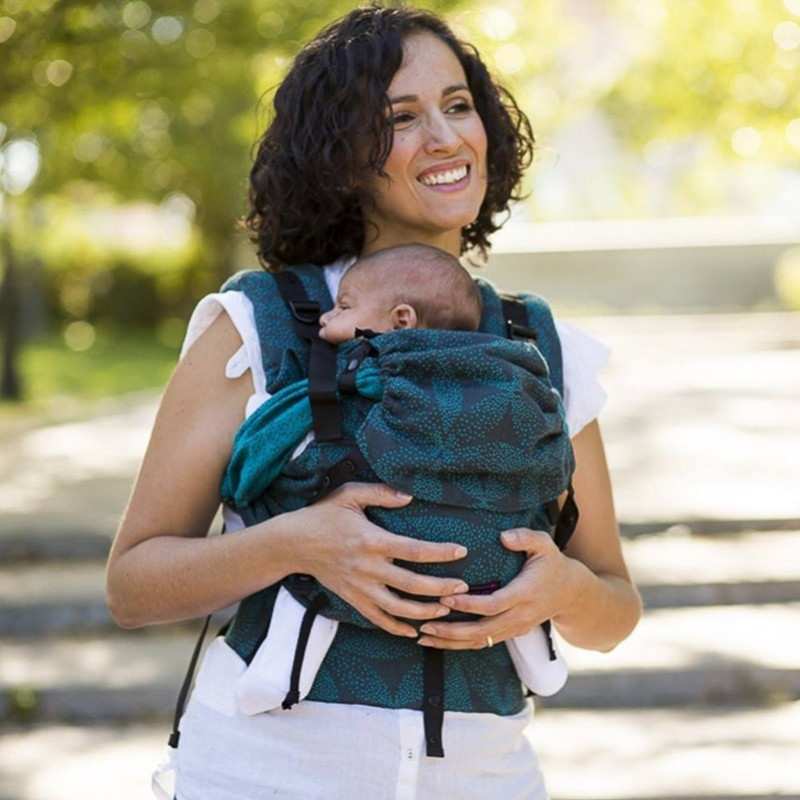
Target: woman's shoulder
pixel 236 302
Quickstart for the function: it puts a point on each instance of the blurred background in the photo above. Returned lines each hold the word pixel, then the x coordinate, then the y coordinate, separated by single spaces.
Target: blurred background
pixel 662 215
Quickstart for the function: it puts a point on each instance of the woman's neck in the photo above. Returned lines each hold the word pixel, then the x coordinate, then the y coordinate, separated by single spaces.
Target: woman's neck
pixel 449 242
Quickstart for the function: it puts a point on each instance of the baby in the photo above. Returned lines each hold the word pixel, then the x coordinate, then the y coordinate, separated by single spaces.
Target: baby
pixel 402 287
pixel 407 286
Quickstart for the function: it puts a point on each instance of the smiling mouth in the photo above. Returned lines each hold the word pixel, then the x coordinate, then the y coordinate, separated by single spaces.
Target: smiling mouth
pixel 445 178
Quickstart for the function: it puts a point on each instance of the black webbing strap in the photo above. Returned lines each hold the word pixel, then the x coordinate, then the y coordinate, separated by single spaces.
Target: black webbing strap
pixel 433 700
pixel 564 519
pixel 175 735
pixel 325 414
pixel 183 694
pixel 547 625
pixel 567 519
pixel 516 317
pixel 293 695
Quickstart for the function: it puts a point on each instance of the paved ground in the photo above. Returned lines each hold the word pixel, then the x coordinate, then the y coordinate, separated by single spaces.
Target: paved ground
pixel 702 424
pixel 703 434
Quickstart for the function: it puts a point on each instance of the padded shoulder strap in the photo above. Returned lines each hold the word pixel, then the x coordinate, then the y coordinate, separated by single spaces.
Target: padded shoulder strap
pixel 284 353
pixel 501 317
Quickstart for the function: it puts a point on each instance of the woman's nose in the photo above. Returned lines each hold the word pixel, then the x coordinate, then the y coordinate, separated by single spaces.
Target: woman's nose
pixel 441 135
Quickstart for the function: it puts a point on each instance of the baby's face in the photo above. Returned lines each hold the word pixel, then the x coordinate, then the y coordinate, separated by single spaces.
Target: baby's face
pixel 358 305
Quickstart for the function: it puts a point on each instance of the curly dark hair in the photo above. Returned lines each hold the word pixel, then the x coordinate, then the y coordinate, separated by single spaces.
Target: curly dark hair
pixel 331 108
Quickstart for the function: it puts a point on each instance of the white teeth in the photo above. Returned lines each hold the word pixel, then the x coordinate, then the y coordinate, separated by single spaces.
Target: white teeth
pixel 450 176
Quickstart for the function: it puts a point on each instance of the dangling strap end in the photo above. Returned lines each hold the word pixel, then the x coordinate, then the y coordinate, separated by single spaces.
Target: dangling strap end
pixel 433 701
pixel 547 625
pixel 292 697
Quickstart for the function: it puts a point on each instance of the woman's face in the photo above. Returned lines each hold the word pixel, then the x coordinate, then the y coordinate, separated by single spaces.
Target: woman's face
pixel 436 171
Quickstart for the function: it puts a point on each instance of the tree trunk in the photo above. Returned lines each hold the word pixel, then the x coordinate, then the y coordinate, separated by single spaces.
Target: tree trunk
pixel 10 383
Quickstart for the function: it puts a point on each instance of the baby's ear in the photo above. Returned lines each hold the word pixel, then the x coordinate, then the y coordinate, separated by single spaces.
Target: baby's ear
pixel 404 316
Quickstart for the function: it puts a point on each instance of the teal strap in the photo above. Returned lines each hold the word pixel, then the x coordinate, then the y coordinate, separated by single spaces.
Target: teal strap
pixel 266 440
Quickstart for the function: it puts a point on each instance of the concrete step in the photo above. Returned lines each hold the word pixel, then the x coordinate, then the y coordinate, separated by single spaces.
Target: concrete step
pixel 72 540
pixel 671 569
pixel 673 754
pixel 707 656
pixel 679 568
pixel 711 656
pixel 51 598
pixel 655 754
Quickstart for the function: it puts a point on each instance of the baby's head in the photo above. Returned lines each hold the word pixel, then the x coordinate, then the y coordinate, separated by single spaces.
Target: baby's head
pixel 406 286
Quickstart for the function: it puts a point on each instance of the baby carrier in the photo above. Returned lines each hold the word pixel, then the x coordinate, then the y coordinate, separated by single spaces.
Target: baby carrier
pixel 470 424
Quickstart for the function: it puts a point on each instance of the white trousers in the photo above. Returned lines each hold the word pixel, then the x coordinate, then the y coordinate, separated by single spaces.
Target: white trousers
pixel 325 751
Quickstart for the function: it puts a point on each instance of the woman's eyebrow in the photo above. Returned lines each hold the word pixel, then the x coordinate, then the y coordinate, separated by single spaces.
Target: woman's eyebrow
pixel 410 98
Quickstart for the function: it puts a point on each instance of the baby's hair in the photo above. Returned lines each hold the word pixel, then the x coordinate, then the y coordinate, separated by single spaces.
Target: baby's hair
pixel 430 280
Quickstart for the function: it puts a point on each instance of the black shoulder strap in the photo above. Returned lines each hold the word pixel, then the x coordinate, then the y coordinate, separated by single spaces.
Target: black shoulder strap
pixel 188 679
pixel 515 315
pixel 325 414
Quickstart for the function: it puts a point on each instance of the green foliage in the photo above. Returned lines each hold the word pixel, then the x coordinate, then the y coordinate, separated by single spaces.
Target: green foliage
pixel 80 363
pixel 726 69
pixel 143 101
pixel 98 270
pixel 149 101
pixel 149 98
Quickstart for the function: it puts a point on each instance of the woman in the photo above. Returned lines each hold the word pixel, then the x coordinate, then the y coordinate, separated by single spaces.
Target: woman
pixel 387 130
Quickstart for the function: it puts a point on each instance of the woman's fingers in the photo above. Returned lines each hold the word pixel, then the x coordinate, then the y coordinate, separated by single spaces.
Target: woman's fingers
pixel 387 622
pixel 363 495
pixel 465 635
pixel 525 540
pixel 414 583
pixel 355 559
pixel 360 496
pixel 517 608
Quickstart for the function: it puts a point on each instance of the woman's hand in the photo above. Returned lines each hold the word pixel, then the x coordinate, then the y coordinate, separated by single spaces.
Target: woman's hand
pixel 586 590
pixel 354 558
pixel 539 590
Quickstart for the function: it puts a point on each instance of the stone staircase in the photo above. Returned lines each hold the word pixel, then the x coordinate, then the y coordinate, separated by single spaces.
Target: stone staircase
pixel 701 702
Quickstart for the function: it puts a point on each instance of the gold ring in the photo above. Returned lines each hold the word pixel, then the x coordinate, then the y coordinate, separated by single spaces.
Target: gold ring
pixel 489 641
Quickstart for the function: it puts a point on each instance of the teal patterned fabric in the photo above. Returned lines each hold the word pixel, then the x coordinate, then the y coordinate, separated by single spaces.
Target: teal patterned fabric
pixel 468 420
pixel 469 424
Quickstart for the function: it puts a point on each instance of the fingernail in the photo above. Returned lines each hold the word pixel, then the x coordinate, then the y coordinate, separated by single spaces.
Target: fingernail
pixel 424 642
pixel 402 495
pixel 429 629
pixel 460 551
pixel 446 601
pixel 441 612
pixel 509 536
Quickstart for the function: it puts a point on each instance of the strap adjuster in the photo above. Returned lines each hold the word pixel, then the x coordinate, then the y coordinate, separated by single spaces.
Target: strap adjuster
pixel 516 331
pixel 305 311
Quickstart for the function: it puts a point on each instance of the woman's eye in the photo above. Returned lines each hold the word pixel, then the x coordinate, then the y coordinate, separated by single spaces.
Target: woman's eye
pixel 459 107
pixel 402 118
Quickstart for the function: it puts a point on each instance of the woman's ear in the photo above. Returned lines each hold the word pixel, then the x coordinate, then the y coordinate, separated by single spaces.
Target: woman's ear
pixel 403 316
